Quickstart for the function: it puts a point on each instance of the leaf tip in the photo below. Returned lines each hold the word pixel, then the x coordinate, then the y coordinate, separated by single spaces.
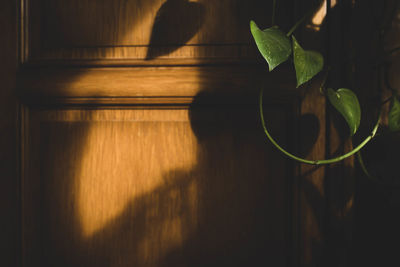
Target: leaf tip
pixel 271 67
pixel 253 26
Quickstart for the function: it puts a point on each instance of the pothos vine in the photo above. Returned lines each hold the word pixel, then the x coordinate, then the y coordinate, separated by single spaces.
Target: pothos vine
pixel 277 47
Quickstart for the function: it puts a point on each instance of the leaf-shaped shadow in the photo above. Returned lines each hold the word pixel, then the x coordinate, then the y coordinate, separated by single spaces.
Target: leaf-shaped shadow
pixel 309 132
pixel 176 22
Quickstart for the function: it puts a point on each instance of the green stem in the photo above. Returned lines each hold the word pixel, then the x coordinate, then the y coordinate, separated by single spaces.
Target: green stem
pixel 298 23
pixel 321 87
pixel 273 12
pixel 315 162
pixel 362 165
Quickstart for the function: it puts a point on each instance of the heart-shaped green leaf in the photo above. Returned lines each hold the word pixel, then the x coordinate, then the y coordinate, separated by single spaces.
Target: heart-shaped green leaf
pixel 306 63
pixel 394 115
pixel 346 102
pixel 272 43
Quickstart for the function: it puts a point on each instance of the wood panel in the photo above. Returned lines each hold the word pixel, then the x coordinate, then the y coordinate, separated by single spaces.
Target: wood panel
pixel 155 187
pixel 132 23
pixel 141 142
pixel 143 30
pixel 118 168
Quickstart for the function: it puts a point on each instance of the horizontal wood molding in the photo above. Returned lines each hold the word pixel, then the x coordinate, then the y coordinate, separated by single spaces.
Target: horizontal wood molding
pixel 177 84
pixel 158 62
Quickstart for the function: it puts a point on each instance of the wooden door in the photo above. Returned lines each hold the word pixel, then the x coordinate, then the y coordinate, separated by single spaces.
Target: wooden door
pixel 140 138
pixel 130 137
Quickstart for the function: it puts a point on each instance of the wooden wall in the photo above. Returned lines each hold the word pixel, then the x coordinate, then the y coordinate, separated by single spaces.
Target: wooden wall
pixel 141 143
pixel 138 139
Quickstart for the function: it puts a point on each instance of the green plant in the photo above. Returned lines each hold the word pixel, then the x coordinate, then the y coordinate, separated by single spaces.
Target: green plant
pixel 277 47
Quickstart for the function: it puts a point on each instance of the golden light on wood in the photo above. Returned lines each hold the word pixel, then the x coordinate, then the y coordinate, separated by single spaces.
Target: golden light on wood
pixel 320 15
pixel 128 183
pixel 124 160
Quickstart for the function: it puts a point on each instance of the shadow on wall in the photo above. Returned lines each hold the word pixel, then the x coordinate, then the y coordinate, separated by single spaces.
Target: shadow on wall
pixel 172 15
pixel 358 228
pixel 228 209
pixel 231 220
pixel 93 23
pixel 236 218
pixel 377 219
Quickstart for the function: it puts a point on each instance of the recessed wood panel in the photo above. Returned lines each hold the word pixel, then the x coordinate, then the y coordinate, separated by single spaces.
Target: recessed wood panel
pixel 151 29
pixel 131 23
pixel 154 187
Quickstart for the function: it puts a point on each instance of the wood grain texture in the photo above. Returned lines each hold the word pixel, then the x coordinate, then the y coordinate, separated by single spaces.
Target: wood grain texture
pixel 312 196
pixel 121 171
pixel 136 29
pixel 312 145
pixel 154 187
pixel 141 142
pixel 141 82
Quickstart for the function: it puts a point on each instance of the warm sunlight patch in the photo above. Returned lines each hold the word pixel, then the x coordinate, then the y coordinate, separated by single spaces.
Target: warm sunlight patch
pixel 320 15
pixel 138 170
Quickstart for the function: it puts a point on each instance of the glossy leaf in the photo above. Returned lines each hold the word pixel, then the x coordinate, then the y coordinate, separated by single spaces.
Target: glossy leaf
pixel 306 63
pixel 272 43
pixel 346 102
pixel 394 115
